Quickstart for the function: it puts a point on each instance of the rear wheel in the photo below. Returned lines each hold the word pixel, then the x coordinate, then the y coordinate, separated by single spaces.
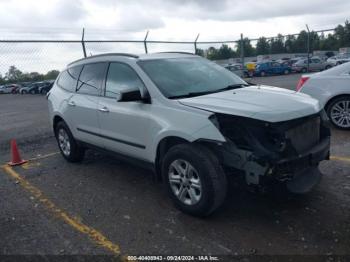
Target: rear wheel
pixel 339 112
pixel 304 70
pixel 68 146
pixel 263 73
pixel 194 179
pixel 286 72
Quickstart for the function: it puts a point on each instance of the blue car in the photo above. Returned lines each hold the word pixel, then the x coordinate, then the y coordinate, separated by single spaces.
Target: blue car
pixel 272 68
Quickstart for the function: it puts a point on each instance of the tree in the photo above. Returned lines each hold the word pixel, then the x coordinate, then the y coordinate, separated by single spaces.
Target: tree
pixel 301 43
pixel 289 44
pixel 226 52
pixel 248 49
pixel 277 45
pixel 54 73
pixel 13 74
pixel 262 46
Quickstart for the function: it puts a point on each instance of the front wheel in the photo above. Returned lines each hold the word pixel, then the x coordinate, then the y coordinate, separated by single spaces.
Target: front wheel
pixel 68 146
pixel 339 112
pixel 262 73
pixel 194 179
pixel 286 72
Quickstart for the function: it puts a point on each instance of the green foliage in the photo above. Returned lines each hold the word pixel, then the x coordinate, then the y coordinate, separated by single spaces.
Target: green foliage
pixel 14 75
pixel 224 52
pixel 288 44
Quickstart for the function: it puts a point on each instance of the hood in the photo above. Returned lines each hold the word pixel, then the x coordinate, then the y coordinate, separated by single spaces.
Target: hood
pixel 265 103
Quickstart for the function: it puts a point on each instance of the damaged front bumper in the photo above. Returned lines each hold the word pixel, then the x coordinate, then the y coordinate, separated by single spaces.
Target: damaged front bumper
pixel 287 152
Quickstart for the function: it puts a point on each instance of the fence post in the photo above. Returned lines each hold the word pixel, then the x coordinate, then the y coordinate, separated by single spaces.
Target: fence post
pixel 145 42
pixel 195 45
pixel 83 42
pixel 308 46
pixel 242 50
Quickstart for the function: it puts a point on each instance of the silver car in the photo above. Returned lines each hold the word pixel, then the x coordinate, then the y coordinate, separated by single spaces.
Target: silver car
pixel 315 64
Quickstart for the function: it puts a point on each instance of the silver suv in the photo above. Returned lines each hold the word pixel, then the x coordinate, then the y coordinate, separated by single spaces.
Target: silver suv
pixel 191 121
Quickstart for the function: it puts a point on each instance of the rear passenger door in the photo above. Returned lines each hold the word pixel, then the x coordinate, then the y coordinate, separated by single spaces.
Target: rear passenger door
pixel 83 103
pixel 124 125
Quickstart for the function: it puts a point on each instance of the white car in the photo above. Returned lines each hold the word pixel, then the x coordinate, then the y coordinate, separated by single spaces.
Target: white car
pixel 6 89
pixel 192 122
pixel 338 60
pixel 332 89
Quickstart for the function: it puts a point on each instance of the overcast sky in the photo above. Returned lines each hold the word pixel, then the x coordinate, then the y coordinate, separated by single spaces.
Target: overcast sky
pixel 166 19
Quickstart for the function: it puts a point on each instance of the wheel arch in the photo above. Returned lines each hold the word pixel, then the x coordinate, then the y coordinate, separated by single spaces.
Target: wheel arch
pixel 334 98
pixel 163 146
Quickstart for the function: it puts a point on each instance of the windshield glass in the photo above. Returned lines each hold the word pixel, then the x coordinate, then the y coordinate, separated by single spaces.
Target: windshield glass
pixel 189 76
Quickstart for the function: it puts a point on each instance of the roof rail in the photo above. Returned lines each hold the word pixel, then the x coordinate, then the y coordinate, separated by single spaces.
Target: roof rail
pixel 174 52
pixel 105 54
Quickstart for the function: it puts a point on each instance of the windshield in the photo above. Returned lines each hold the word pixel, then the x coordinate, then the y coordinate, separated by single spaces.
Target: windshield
pixel 189 76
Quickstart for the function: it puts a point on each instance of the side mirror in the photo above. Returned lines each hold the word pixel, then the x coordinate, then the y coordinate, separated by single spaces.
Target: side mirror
pixel 129 95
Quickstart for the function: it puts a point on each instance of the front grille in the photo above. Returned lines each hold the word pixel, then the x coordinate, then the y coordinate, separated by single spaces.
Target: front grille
pixel 306 135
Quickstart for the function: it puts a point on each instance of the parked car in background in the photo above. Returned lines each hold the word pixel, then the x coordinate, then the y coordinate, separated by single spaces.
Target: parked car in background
pixel 237 69
pixel 332 89
pixel 339 59
pixel 271 68
pixel 34 89
pixel 291 61
pixel 5 89
pixel 44 89
pixel 24 89
pixel 15 88
pixel 191 121
pixel 315 64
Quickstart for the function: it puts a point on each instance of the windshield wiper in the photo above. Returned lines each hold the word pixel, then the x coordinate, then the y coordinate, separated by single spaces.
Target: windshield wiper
pixel 230 87
pixel 192 94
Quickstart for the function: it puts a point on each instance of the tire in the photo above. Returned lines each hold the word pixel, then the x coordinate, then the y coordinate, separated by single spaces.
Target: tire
pixel 327 67
pixel 262 73
pixel 24 92
pixel 68 146
pixel 338 112
pixel 33 92
pixel 286 72
pixel 304 70
pixel 207 174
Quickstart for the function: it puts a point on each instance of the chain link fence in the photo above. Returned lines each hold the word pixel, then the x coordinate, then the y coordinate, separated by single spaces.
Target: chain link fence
pixel 41 56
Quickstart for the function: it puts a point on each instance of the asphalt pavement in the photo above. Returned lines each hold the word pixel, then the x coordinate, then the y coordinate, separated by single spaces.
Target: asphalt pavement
pixel 106 207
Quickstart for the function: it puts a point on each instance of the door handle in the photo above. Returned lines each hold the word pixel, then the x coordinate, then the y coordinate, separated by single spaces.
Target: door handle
pixel 71 103
pixel 104 109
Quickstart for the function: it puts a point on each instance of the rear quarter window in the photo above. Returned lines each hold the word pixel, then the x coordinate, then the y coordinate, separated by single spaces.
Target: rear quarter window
pixel 91 78
pixel 68 78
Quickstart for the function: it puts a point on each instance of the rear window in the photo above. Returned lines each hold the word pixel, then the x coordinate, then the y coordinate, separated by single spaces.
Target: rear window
pixel 68 78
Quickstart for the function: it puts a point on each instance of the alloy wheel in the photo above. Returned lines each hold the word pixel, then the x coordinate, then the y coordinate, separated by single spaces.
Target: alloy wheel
pixel 340 113
pixel 185 182
pixel 64 143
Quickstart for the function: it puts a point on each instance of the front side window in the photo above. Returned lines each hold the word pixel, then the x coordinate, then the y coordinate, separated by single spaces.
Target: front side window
pixel 91 79
pixel 68 78
pixel 189 76
pixel 121 77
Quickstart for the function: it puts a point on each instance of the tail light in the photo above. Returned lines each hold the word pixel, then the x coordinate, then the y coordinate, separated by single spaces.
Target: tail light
pixel 301 82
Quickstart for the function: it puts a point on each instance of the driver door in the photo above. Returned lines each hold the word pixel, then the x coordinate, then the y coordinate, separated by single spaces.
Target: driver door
pixel 124 125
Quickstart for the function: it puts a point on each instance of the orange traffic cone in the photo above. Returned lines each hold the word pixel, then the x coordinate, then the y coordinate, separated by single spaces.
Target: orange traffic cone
pixel 16 158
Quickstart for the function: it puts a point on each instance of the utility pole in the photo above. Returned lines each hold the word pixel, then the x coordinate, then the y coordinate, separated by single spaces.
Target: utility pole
pixel 83 43
pixel 195 45
pixel 308 46
pixel 145 42
pixel 242 50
